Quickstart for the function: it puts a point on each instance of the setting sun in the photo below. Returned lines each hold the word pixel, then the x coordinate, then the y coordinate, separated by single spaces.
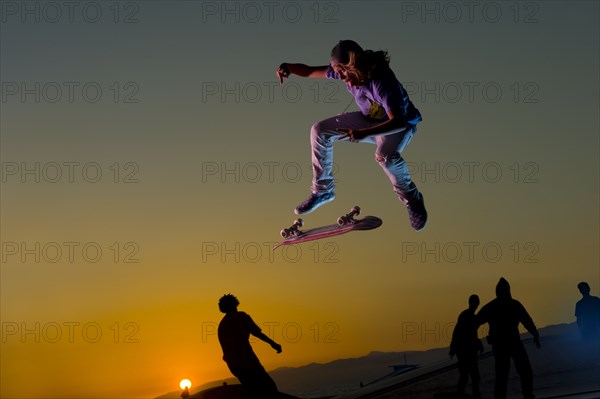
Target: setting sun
pixel 185 384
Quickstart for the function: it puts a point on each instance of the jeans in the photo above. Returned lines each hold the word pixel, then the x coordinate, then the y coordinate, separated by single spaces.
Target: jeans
pixel 256 382
pixel 502 355
pixel 389 145
pixel 467 366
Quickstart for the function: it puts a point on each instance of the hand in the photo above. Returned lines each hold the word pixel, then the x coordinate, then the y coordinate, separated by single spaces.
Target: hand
pixel 283 72
pixel 351 134
pixel 276 346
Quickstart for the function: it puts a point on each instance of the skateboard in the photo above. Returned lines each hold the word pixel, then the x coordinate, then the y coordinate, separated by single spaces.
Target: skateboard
pixel 346 223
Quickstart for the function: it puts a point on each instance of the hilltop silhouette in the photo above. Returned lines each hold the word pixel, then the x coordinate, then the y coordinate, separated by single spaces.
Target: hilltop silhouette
pixel 566 358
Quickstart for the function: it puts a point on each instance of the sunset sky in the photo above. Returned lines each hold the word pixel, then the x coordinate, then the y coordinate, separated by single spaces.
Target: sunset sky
pixel 149 158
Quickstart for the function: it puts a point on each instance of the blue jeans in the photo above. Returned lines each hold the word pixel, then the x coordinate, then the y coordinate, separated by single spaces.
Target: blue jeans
pixel 389 145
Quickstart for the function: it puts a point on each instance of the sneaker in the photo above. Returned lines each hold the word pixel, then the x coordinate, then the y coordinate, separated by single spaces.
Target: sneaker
pixel 313 202
pixel 417 214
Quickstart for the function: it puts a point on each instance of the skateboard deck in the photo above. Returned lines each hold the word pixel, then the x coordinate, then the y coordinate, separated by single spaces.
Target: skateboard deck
pixel 345 224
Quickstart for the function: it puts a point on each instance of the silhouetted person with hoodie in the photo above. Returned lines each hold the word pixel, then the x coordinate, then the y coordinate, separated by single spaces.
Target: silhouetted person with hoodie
pixel 466 345
pixel 234 331
pixel 587 311
pixel 504 315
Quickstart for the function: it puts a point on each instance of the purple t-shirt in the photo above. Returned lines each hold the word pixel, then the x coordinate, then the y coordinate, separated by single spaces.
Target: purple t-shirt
pixel 376 97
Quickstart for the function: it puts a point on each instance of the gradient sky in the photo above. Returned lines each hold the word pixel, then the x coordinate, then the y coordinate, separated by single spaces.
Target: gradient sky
pixel 203 157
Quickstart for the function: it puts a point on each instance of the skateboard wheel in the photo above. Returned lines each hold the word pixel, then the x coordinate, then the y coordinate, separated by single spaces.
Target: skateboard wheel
pixel 342 220
pixel 298 222
pixel 284 233
pixel 356 210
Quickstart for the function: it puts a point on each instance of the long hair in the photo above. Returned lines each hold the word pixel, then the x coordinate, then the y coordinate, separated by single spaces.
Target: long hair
pixel 372 63
pixel 362 65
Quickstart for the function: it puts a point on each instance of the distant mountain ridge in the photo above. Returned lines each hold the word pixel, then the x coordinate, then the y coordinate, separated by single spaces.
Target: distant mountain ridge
pixel 345 375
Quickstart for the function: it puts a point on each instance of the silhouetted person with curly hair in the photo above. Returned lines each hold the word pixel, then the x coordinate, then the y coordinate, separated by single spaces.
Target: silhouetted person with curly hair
pixel 587 311
pixel 466 346
pixel 503 315
pixel 234 333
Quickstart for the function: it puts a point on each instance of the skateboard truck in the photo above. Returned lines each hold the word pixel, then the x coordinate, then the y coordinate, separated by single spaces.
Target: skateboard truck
pixel 293 229
pixel 349 217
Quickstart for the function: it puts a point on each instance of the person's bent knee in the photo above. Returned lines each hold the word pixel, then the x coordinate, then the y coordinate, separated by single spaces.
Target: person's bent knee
pixel 386 159
pixel 318 130
pixel 317 127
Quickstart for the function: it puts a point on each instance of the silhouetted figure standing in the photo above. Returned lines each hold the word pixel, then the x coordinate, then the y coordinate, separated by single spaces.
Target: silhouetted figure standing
pixel 587 311
pixel 504 315
pixel 466 346
pixel 234 331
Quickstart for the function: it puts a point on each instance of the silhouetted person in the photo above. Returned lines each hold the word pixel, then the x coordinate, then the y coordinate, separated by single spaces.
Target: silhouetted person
pixel 504 315
pixel 466 345
pixel 234 331
pixel 587 311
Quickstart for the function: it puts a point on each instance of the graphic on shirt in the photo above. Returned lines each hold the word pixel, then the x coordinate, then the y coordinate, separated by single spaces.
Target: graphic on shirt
pixel 376 111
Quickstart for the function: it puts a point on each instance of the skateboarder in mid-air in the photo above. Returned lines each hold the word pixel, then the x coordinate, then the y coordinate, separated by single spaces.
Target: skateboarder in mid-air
pixel 387 118
pixel 234 331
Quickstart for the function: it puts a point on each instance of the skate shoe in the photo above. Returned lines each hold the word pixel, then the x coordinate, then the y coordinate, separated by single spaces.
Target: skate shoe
pixel 313 202
pixel 417 214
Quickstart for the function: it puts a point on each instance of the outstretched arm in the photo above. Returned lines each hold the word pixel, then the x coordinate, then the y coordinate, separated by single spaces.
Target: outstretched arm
pixel 305 71
pixel 483 316
pixel 263 337
pixel 527 322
